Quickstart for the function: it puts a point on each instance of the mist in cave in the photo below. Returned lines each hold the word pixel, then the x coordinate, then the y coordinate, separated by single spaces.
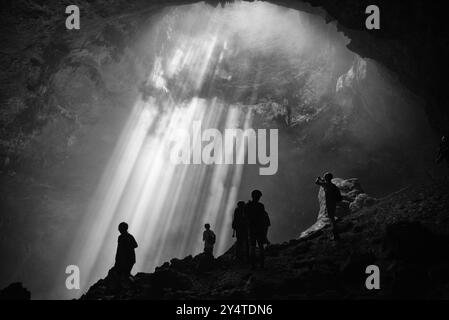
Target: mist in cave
pixel 244 65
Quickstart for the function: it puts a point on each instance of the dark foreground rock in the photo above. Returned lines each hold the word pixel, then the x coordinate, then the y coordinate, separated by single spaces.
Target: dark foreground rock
pixel 405 235
pixel 15 291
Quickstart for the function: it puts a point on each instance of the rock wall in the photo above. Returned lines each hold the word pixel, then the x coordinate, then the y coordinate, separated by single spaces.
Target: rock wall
pixel 35 42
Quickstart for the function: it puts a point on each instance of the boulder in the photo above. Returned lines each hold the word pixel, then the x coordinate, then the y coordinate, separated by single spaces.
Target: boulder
pixel 15 291
pixel 183 265
pixel 354 199
pixel 164 266
pixel 204 262
pixel 171 279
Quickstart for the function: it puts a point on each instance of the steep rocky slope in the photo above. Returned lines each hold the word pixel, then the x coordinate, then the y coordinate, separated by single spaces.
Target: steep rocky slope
pixel 404 234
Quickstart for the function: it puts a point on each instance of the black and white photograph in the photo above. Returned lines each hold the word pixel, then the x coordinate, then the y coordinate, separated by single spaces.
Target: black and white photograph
pixel 224 155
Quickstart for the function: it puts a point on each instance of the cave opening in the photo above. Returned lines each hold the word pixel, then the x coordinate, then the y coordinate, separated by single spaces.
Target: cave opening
pixel 139 79
pixel 242 66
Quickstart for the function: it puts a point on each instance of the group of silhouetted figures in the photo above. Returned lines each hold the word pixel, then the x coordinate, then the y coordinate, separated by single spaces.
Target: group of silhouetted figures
pixel 250 225
pixel 250 228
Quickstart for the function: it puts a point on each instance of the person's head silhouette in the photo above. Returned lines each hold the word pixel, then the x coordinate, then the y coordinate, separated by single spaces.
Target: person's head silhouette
pixel 443 139
pixel 256 195
pixel 123 227
pixel 328 176
pixel 207 226
pixel 240 204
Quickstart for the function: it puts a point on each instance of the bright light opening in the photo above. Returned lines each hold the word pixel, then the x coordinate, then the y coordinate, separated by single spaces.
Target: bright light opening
pixel 203 68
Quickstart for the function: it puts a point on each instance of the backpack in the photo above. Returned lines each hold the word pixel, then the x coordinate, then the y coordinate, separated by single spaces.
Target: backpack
pixel 212 238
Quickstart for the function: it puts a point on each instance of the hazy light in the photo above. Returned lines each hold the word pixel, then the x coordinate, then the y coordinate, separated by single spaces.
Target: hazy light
pixel 166 205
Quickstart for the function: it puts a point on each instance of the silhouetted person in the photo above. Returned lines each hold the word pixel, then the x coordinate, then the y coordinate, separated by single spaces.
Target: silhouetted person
pixel 332 196
pixel 209 240
pixel 240 227
pixel 443 152
pixel 125 257
pixel 258 223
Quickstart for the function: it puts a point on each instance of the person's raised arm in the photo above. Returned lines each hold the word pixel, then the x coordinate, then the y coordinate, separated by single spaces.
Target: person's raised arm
pixel 319 181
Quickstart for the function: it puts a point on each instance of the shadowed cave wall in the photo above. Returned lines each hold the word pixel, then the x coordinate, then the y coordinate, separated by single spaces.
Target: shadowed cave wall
pixel 64 97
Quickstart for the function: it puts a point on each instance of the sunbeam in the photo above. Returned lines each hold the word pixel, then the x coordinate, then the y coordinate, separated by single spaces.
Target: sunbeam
pixel 166 204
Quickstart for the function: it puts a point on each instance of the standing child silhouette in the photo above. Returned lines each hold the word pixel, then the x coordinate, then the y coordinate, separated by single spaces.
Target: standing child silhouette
pixel 209 240
pixel 125 257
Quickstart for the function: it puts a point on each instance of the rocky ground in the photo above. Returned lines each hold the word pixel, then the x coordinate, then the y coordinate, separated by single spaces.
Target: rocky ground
pixel 404 234
pixel 15 291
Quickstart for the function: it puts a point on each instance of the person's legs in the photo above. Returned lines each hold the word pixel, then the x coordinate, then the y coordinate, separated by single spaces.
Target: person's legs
pixel 238 247
pixel 252 250
pixel 334 229
pixel 208 250
pixel 241 244
pixel 331 214
pixel 123 273
pixel 129 268
pixel 260 244
pixel 265 236
pixel 246 247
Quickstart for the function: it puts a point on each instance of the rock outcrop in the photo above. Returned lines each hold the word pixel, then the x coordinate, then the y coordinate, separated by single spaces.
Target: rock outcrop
pixel 354 199
pixel 15 291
